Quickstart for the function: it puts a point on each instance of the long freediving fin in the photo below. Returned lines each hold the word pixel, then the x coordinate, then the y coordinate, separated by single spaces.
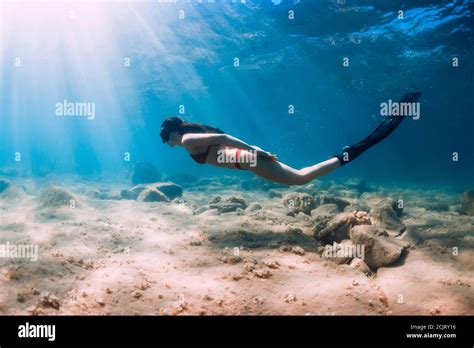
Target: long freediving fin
pixel 380 133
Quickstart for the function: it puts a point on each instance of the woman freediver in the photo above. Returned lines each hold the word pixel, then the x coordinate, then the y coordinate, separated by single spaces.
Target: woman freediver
pixel 209 145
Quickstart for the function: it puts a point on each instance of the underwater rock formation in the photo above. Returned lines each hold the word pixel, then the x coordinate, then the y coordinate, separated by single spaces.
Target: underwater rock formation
pixel 219 207
pixel 234 199
pixel 309 189
pixel 152 195
pixel 339 202
pixel 11 192
pixel 357 206
pixel 467 203
pixel 215 199
pixel 55 197
pixel 380 249
pixel 104 194
pixel 4 184
pixel 384 215
pixel 128 194
pixel 274 194
pixel 325 210
pixel 96 194
pixel 297 202
pixel 360 265
pixel 139 188
pixel 437 206
pixel 169 189
pixel 144 173
pixel 223 205
pixel 253 206
pixel 339 253
pixel 337 228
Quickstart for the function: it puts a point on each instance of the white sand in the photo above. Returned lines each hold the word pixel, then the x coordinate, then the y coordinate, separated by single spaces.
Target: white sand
pixel 126 257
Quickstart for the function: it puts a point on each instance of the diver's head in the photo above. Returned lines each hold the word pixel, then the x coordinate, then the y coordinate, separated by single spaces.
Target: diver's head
pixel 173 129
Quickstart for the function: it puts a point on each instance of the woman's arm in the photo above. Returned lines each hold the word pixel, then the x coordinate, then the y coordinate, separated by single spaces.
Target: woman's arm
pixel 205 139
pixel 191 140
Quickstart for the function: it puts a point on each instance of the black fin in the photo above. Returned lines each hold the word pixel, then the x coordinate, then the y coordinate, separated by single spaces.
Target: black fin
pixel 380 133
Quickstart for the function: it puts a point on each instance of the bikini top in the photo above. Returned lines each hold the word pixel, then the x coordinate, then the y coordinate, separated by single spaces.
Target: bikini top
pixel 201 157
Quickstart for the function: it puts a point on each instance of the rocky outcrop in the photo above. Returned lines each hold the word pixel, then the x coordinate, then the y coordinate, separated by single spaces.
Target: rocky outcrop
pixel 437 206
pixel 337 228
pixel 467 203
pixel 325 210
pixel 97 194
pixel 55 197
pixel 236 200
pixel 274 194
pixel 339 253
pixel 357 206
pixel 379 248
pixel 4 184
pixel 139 188
pixel 297 202
pixel 384 215
pixel 253 206
pixel 152 195
pixel 169 189
pixel 360 265
pixel 128 194
pixel 327 199
pixel 11 192
pixel 309 189
pixel 223 205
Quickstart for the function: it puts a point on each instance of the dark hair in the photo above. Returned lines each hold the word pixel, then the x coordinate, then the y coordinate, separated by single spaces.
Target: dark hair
pixel 175 124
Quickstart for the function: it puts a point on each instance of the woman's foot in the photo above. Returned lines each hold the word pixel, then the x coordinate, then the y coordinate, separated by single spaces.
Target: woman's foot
pixel 351 153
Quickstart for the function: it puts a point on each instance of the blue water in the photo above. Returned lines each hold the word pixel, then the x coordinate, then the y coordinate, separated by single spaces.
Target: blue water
pixel 76 51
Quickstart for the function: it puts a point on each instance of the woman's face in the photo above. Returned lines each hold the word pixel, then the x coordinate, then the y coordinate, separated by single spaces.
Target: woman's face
pixel 175 139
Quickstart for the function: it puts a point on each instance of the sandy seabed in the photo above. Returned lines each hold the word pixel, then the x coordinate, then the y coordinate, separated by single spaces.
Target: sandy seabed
pixel 222 250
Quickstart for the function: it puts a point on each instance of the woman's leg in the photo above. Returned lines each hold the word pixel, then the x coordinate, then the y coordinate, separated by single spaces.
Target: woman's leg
pixel 281 173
